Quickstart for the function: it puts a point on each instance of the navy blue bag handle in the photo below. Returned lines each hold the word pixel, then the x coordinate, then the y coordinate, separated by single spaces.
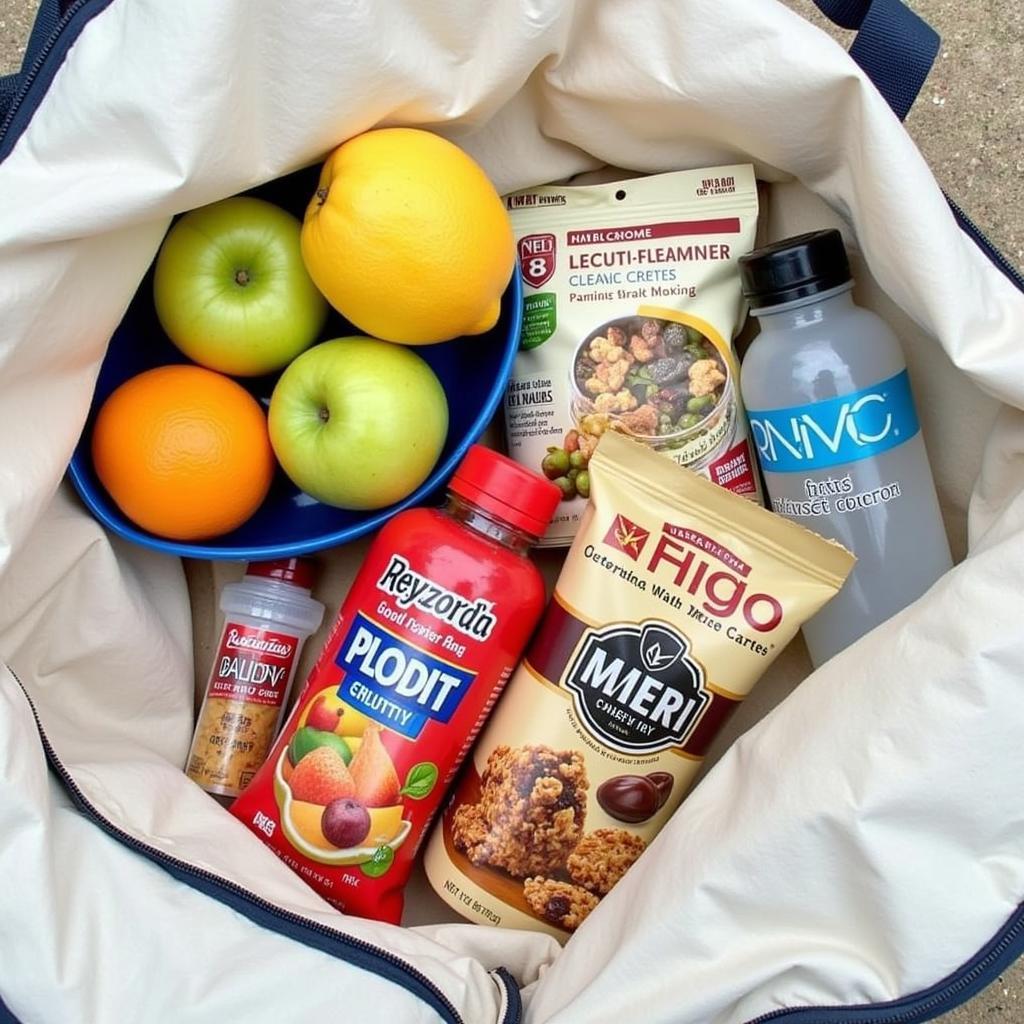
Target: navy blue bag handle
pixel 894 46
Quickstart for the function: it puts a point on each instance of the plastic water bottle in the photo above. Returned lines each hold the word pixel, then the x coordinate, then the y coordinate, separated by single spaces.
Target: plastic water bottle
pixel 833 422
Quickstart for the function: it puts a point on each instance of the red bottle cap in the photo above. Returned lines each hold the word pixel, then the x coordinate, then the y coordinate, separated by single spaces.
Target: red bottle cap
pixel 508 491
pixel 300 572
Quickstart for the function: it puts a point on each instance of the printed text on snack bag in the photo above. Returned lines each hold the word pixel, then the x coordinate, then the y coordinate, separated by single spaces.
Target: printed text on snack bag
pixel 636 686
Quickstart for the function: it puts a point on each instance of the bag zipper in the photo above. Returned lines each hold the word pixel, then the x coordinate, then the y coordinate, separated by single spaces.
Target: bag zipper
pixel 979 238
pixel 42 59
pixel 373 958
pixel 942 997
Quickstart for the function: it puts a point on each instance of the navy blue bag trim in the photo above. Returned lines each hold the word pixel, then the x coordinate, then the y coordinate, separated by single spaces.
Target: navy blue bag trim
pixel 945 995
pixel 981 241
pixel 47 18
pixel 53 34
pixel 23 94
pixel 364 955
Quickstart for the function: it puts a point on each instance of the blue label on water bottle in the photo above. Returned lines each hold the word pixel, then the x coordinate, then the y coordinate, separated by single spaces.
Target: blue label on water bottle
pixel 835 431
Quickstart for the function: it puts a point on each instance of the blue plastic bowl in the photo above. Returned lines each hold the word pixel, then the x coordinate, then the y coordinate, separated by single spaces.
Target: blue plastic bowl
pixel 473 371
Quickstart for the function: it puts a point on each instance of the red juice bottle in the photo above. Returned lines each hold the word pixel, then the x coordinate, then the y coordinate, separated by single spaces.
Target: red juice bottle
pixel 430 632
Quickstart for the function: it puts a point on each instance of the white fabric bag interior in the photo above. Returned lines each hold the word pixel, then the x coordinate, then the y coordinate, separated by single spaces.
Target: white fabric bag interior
pixel 857 844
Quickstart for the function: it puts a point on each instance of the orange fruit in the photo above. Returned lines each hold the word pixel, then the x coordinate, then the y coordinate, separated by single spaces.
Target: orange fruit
pixel 184 452
pixel 407 238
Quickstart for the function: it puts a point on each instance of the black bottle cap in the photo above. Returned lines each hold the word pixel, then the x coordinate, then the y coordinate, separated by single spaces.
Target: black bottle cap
pixel 794 268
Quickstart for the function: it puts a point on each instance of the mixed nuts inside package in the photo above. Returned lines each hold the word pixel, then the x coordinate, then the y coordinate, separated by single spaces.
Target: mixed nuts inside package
pixel 675 597
pixel 632 301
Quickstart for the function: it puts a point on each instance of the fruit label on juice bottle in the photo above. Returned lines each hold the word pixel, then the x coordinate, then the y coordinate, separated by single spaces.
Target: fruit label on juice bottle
pixel 244 699
pixel 410 670
pixel 395 683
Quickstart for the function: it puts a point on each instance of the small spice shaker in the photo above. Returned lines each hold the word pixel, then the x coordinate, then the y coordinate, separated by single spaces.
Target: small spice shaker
pixel 267 617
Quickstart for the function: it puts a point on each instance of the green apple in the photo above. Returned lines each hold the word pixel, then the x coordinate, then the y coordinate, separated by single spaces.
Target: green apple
pixel 358 423
pixel 231 290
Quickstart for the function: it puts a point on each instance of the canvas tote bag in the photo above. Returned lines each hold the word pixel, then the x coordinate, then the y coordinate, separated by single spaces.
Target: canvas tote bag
pixel 859 848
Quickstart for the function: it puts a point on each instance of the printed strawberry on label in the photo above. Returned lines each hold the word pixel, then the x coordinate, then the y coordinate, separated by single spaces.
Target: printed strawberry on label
pixel 320 777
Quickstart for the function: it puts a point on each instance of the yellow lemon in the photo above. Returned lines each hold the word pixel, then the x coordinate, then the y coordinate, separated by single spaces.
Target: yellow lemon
pixel 407 238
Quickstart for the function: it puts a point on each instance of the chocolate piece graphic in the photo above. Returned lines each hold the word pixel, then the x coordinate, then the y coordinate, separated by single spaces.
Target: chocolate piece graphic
pixel 663 784
pixel 629 798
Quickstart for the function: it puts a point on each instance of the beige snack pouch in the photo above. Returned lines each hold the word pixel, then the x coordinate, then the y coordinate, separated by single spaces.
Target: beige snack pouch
pixel 675 596
pixel 631 303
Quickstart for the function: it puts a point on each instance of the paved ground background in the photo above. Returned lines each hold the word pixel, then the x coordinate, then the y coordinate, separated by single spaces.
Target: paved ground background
pixel 969 119
pixel 969 123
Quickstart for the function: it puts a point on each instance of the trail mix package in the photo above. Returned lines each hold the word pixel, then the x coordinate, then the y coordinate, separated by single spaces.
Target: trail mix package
pixel 674 598
pixel 632 301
